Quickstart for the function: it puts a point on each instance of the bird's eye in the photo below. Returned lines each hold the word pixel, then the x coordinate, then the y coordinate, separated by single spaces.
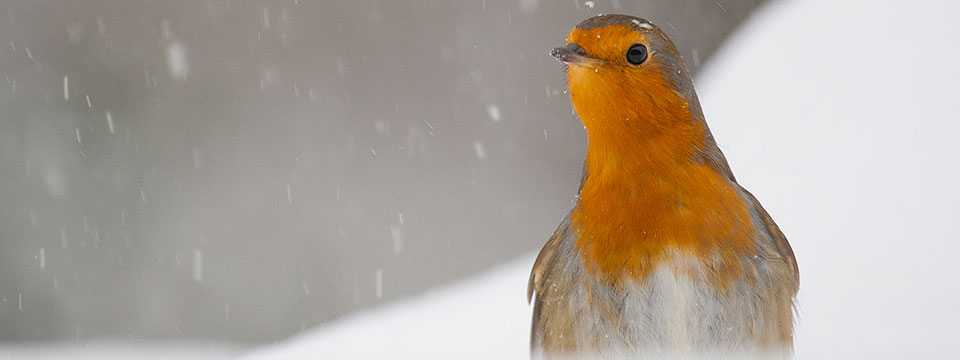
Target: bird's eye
pixel 637 54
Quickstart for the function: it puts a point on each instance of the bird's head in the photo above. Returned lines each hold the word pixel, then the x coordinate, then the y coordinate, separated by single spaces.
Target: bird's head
pixel 627 80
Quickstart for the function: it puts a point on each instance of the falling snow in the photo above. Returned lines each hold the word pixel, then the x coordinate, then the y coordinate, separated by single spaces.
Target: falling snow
pixel 382 127
pixel 197 265
pixel 396 234
pixel 197 157
pixel 528 5
pixel 176 55
pixel 110 122
pixel 494 112
pixel 378 283
pixel 479 150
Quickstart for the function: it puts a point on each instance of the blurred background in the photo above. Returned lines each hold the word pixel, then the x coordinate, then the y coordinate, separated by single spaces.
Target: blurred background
pixel 240 171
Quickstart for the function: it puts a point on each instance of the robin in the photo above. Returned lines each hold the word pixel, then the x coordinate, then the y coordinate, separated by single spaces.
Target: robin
pixel 664 254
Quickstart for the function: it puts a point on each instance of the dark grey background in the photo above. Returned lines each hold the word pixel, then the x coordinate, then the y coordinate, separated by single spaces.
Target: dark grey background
pixel 269 161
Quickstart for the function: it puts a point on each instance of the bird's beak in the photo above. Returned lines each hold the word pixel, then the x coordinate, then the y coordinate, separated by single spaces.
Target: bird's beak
pixel 573 54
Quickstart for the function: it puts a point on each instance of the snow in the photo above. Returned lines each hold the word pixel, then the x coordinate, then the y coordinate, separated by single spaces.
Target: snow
pixel 378 283
pixel 528 5
pixel 494 112
pixel 479 150
pixel 197 265
pixel 176 56
pixel 110 124
pixel 485 317
pixel 643 25
pixel 396 235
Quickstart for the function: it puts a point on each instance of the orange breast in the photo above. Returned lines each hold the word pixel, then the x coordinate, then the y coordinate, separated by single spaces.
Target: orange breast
pixel 629 222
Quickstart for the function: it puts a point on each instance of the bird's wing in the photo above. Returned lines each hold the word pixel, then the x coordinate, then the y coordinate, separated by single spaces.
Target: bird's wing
pixel 544 260
pixel 780 245
pixel 543 267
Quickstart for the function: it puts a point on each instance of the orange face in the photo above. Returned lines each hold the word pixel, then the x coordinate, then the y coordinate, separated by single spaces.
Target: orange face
pixel 614 57
pixel 627 78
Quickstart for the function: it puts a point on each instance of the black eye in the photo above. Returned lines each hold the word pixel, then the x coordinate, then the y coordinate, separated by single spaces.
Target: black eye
pixel 637 54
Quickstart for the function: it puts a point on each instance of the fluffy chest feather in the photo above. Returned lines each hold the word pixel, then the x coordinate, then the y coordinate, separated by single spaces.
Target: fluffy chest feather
pixel 633 212
pixel 674 313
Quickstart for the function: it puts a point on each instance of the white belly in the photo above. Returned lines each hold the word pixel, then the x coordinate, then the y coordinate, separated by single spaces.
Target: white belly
pixel 676 314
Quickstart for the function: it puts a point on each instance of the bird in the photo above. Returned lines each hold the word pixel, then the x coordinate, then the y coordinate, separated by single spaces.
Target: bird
pixel 664 254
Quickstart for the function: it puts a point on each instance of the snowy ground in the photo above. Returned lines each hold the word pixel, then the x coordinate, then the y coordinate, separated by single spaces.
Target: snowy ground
pixel 840 117
pixel 485 317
